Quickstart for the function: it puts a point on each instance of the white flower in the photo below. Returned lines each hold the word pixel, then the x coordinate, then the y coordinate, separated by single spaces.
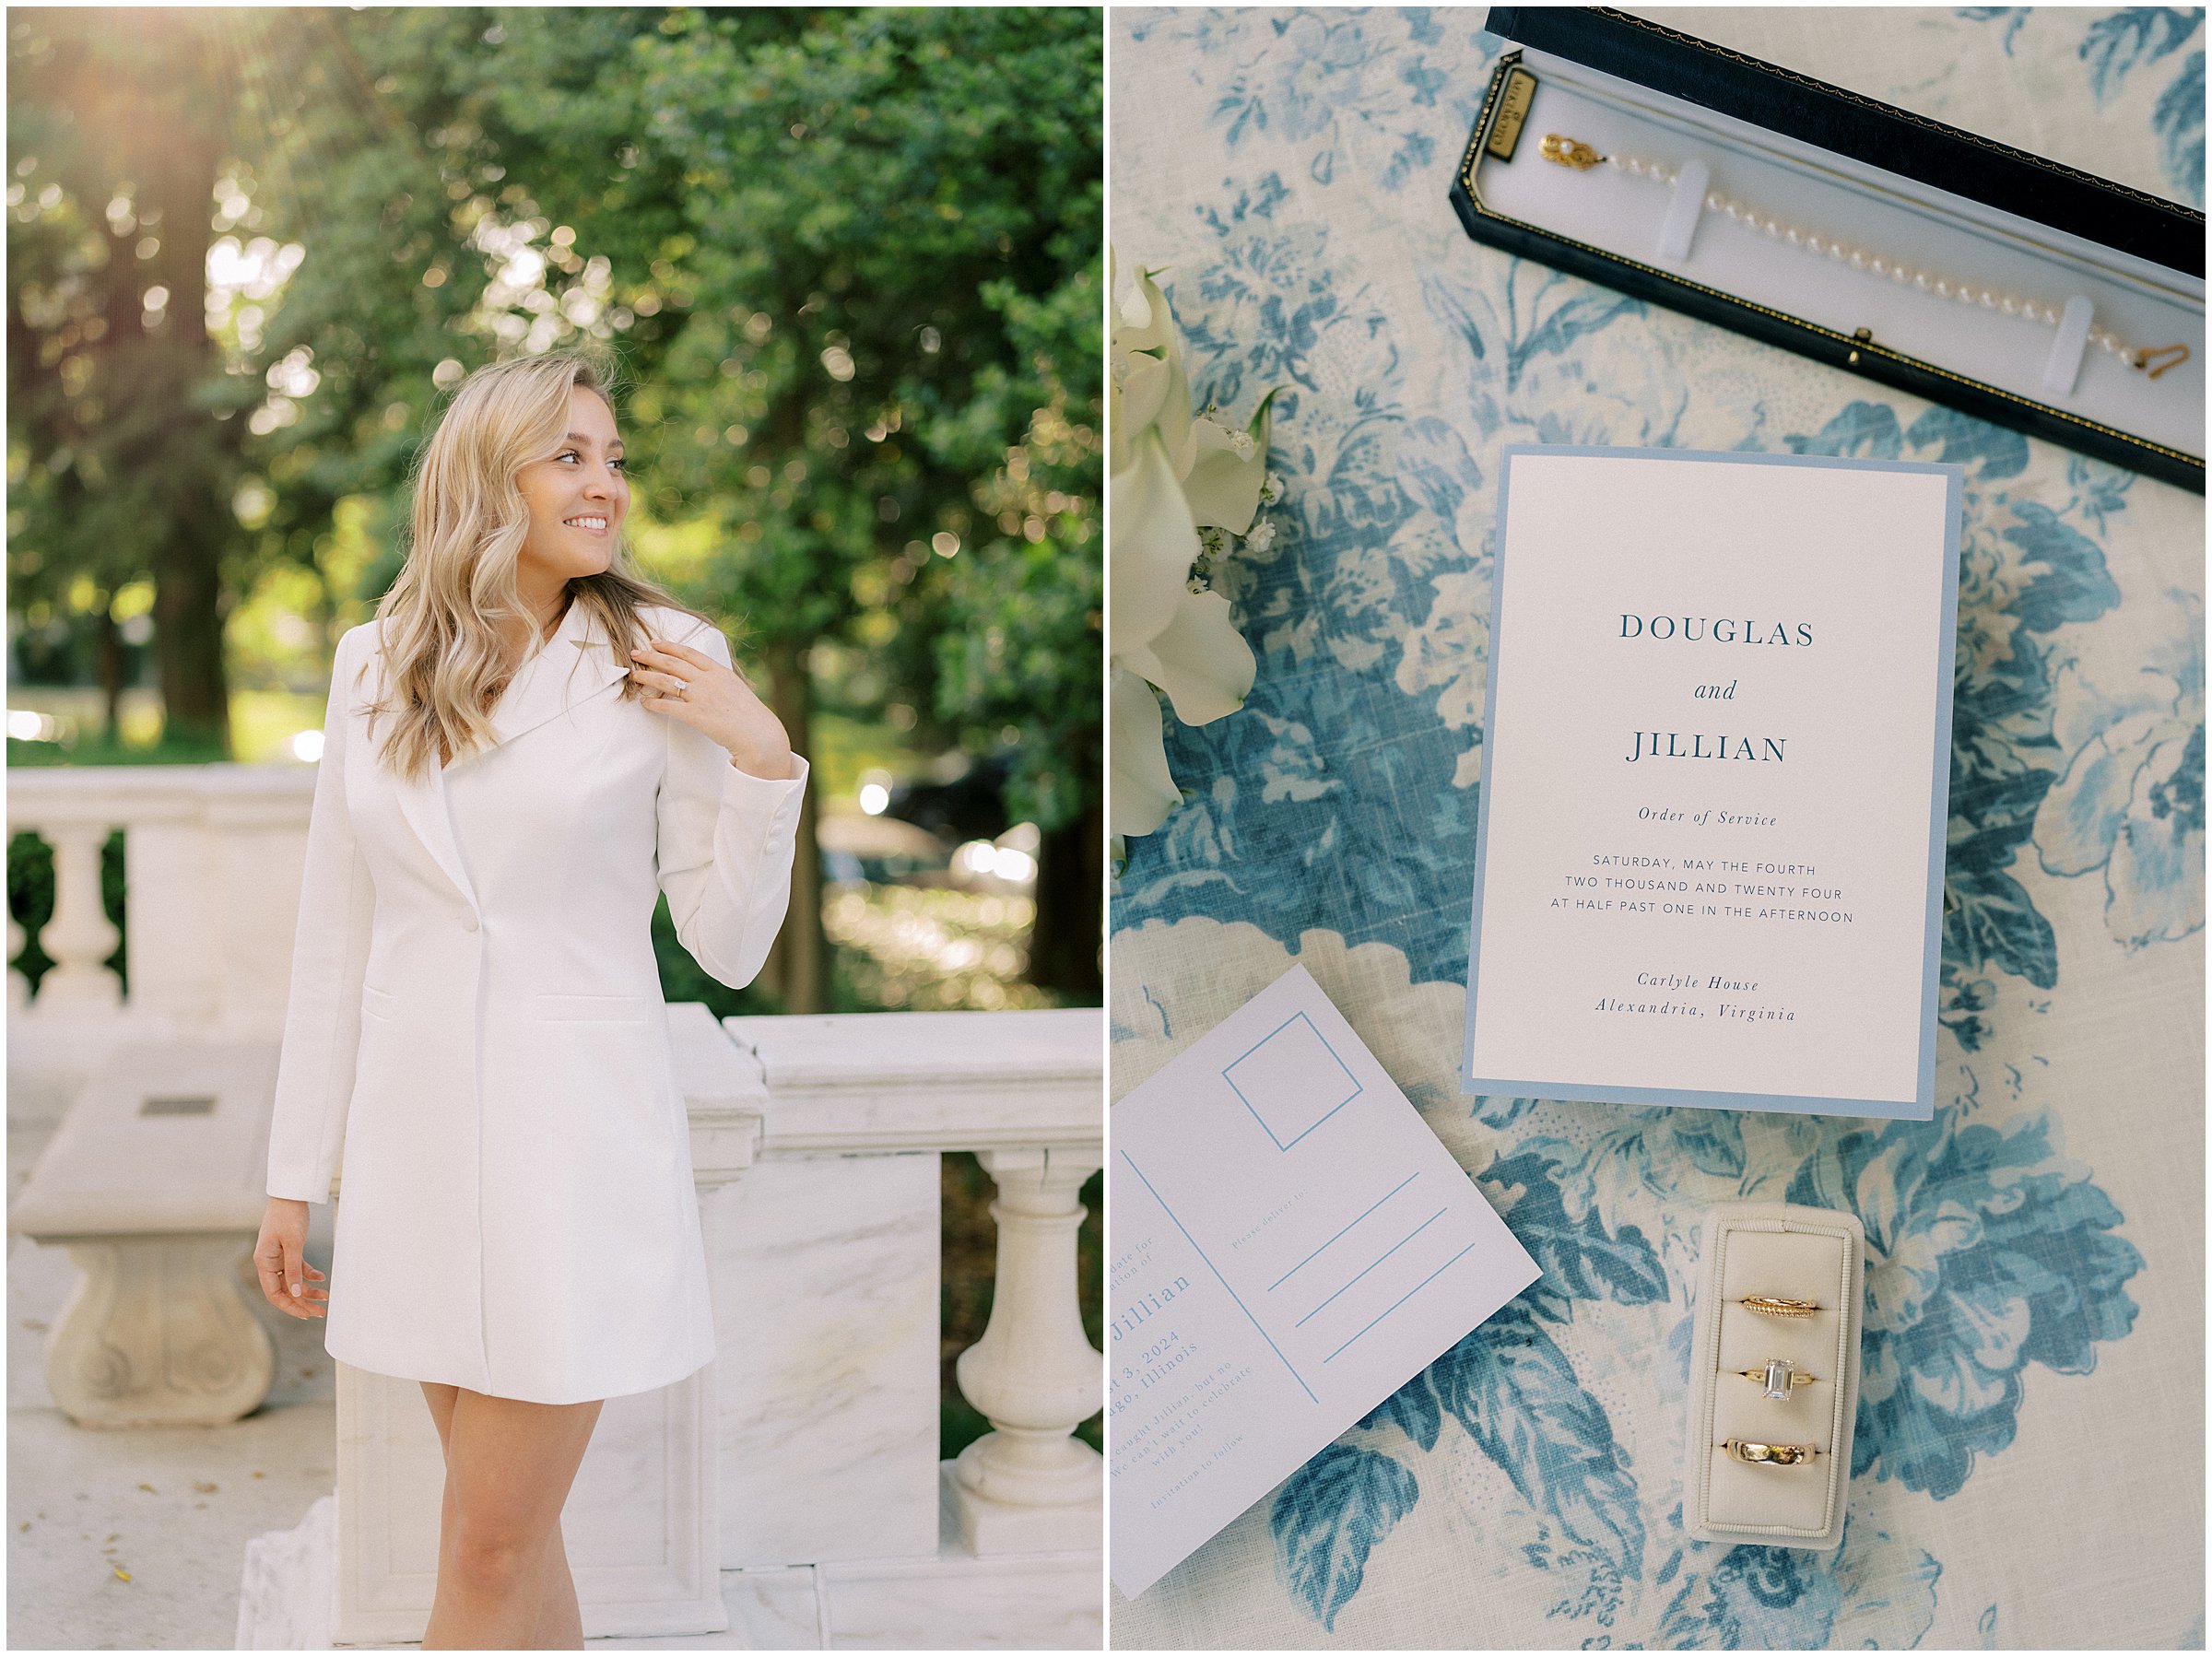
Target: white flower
pixel 1260 537
pixel 1178 480
pixel 1140 789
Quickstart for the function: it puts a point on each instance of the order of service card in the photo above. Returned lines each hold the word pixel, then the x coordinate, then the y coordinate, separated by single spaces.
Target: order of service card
pixel 1291 1244
pixel 1709 851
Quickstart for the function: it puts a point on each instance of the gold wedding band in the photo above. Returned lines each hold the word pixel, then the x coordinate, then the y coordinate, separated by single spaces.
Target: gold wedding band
pixel 1769 1455
pixel 1779 1376
pixel 1774 1306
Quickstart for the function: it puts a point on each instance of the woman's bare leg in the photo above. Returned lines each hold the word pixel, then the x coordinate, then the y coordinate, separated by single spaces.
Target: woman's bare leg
pixel 560 1624
pixel 502 1573
pixel 560 1620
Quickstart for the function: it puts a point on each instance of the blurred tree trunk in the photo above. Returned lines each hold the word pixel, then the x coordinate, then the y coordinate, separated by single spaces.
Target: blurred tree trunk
pixel 798 968
pixel 109 652
pixel 188 626
pixel 175 170
pixel 1065 937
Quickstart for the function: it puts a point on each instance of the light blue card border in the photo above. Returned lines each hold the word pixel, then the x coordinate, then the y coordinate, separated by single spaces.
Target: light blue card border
pixel 1922 1107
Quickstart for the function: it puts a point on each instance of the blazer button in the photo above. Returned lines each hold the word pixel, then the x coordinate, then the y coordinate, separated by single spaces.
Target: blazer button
pixel 468 921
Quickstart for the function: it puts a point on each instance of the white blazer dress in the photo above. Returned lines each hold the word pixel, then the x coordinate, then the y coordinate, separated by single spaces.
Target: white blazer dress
pixel 476 1024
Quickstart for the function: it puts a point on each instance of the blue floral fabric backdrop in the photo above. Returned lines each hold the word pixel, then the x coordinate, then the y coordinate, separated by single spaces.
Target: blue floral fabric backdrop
pixel 2029 1453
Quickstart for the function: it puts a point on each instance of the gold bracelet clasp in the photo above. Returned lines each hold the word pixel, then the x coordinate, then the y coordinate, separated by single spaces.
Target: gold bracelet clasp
pixel 2166 356
pixel 1570 152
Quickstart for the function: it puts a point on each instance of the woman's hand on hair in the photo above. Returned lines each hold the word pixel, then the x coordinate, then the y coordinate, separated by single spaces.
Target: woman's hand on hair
pixel 717 701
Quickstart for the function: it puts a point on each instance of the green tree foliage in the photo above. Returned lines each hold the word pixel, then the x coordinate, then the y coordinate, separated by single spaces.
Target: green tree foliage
pixel 120 470
pixel 893 353
pixel 851 258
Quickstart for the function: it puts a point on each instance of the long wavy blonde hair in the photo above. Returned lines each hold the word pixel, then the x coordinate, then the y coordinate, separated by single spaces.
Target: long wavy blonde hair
pixel 445 661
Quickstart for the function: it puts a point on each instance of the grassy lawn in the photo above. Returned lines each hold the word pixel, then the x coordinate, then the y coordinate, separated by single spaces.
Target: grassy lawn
pixel 931 948
pixel 263 723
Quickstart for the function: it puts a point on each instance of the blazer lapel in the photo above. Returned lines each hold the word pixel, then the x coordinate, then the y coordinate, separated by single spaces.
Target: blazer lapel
pixel 422 803
pixel 421 797
pixel 576 664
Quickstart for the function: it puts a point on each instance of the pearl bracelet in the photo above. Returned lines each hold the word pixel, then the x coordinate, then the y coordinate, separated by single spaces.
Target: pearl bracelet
pixel 2150 360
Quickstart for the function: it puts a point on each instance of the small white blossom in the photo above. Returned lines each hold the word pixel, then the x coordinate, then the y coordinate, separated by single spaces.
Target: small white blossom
pixel 1261 537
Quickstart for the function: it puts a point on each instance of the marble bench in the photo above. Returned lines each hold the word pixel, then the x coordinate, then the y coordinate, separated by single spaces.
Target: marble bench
pixel 154 1184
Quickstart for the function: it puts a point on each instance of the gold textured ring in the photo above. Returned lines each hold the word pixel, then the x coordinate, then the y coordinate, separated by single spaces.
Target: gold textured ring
pixel 1769 1455
pixel 1774 1306
pixel 1779 1377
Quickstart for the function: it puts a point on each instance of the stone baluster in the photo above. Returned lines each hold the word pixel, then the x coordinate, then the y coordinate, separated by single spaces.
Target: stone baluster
pixel 1028 1486
pixel 79 937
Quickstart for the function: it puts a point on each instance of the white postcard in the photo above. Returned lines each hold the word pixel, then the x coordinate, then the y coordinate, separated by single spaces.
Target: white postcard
pixel 1291 1244
pixel 1716 762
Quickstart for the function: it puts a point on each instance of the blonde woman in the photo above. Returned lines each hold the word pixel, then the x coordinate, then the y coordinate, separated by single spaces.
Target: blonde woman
pixel 524 745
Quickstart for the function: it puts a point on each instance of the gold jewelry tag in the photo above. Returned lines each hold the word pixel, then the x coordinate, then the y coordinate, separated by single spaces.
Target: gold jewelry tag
pixel 1513 110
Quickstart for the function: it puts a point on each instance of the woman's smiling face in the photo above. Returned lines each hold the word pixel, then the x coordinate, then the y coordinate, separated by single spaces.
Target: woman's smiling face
pixel 577 498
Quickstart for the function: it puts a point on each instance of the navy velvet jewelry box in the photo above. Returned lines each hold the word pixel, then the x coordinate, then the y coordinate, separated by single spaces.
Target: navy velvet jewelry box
pixel 1869 184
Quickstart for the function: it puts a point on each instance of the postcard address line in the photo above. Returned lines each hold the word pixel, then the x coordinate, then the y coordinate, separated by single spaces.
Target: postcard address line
pixel 1278 1352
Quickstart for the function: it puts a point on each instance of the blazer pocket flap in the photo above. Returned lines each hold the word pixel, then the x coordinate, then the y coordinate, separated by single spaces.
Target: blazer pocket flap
pixel 378 1003
pixel 626 1009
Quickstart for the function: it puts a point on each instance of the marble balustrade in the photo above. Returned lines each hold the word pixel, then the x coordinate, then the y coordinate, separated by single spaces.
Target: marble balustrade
pixel 212 860
pixel 853 1099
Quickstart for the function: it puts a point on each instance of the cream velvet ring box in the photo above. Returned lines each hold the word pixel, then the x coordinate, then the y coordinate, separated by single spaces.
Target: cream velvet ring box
pixel 2016 289
pixel 1774 1375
